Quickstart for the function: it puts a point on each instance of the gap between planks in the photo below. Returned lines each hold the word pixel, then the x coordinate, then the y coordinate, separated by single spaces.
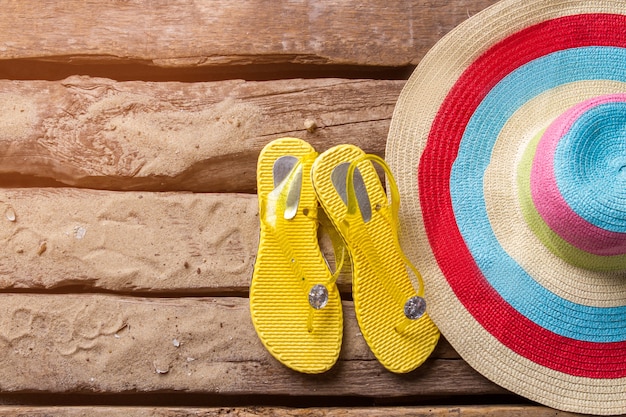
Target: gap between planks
pixel 129 70
pixel 435 411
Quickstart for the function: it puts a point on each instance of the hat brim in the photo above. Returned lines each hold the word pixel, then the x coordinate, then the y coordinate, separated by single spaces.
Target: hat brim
pixel 541 327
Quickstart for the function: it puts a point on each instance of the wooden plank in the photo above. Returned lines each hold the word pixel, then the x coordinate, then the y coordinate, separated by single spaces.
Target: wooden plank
pixel 110 344
pixel 127 241
pixel 200 33
pixel 435 411
pixel 202 137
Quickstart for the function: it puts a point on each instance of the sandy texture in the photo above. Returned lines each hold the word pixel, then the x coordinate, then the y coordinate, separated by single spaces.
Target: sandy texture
pixel 98 343
pixel 98 133
pixel 127 241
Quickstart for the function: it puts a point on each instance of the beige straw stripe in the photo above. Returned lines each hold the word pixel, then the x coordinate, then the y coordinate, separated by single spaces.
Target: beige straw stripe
pixel 414 114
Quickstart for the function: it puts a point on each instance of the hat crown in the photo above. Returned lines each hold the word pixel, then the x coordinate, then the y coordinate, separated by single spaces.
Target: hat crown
pixel 578 183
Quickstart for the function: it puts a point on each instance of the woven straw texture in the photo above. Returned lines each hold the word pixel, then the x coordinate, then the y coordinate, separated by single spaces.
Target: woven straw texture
pixel 508 144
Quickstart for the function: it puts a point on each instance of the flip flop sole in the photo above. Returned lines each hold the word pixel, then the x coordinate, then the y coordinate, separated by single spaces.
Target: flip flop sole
pixel 288 264
pixel 380 282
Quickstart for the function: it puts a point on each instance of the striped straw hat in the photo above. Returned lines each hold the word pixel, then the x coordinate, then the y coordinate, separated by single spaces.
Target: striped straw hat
pixel 509 147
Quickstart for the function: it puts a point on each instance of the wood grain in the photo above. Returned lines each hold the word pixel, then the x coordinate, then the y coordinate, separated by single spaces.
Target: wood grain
pixel 434 411
pixel 109 344
pixel 202 137
pixel 200 33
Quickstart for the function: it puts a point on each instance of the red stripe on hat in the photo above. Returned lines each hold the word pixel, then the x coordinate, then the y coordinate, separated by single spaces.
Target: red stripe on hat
pixel 511 328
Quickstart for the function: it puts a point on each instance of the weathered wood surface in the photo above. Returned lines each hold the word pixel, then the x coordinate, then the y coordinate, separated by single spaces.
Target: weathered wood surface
pixel 464 411
pixel 111 344
pixel 127 241
pixel 203 137
pixel 209 33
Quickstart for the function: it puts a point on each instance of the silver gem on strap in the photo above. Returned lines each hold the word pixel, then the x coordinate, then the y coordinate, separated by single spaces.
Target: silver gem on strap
pixel 318 296
pixel 415 308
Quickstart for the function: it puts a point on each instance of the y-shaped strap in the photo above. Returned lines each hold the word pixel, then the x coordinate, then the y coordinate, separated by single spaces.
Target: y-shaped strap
pixel 273 214
pixel 360 232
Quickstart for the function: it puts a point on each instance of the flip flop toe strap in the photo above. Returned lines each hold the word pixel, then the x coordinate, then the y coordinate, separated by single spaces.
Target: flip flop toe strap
pixel 276 210
pixel 356 231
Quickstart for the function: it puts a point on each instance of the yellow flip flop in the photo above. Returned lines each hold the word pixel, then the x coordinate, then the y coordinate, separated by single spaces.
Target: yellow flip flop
pixel 294 302
pixel 388 291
